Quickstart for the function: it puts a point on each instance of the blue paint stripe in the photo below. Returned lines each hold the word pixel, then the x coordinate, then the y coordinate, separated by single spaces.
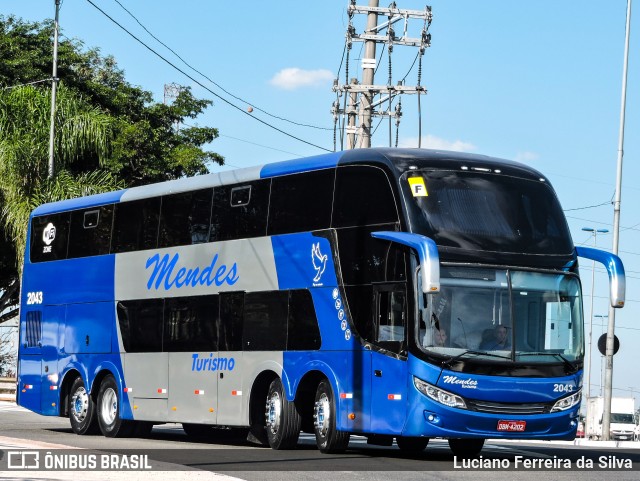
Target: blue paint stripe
pixel 79 203
pixel 286 167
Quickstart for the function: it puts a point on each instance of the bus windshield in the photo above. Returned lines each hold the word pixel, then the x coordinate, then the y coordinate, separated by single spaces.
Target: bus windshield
pixel 498 314
pixel 490 212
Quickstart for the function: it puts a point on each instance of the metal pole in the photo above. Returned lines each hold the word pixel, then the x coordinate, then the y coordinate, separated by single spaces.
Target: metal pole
pixel 351 116
pixel 54 86
pixel 595 233
pixel 608 373
pixel 368 70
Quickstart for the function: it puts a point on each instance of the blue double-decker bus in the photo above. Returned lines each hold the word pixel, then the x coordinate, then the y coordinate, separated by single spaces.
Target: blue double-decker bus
pixel 394 294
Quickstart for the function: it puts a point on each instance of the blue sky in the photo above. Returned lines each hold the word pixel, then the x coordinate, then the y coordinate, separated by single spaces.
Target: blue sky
pixel 538 82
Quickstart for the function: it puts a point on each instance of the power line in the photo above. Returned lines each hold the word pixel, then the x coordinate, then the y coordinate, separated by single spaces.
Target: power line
pixel 204 86
pixel 212 81
pixel 588 207
pixel 259 145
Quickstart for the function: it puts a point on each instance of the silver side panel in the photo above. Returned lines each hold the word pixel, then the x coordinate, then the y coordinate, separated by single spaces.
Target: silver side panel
pixel 238 265
pixel 200 388
pixel 192 183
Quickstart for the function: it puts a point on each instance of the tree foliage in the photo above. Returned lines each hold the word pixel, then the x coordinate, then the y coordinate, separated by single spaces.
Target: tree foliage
pixel 109 133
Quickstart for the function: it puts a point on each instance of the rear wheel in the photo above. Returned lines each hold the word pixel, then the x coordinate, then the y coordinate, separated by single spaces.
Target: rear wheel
pixel 412 444
pixel 109 411
pixel 328 438
pixel 82 409
pixel 282 419
pixel 466 448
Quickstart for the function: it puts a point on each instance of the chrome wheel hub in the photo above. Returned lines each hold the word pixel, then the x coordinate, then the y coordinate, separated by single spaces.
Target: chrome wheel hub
pixel 322 414
pixel 80 404
pixel 109 406
pixel 273 412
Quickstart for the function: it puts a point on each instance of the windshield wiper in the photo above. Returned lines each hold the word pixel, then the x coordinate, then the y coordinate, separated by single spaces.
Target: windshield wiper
pixel 448 362
pixel 571 368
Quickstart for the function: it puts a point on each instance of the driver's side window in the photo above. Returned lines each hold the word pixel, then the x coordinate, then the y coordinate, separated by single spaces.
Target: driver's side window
pixel 390 317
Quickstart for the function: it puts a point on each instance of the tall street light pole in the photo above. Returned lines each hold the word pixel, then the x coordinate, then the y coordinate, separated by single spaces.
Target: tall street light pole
pixel 54 86
pixel 602 328
pixel 595 233
pixel 608 372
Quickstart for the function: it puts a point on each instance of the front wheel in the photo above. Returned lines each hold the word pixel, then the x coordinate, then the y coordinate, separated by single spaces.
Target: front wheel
pixel 81 409
pixel 282 420
pixel 466 448
pixel 109 413
pixel 328 438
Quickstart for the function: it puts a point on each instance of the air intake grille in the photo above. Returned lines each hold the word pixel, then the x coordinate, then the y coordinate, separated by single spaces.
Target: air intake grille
pixel 33 331
pixel 508 408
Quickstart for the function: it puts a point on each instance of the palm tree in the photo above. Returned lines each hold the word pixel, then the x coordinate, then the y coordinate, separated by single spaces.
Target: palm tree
pixel 82 143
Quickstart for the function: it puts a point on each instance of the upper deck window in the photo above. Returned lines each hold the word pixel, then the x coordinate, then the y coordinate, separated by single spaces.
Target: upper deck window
pixel 490 212
pixel 49 234
pixel 363 196
pixel 301 202
pixel 90 232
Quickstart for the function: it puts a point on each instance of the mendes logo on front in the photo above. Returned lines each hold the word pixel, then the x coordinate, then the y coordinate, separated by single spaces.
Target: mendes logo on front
pixel 167 273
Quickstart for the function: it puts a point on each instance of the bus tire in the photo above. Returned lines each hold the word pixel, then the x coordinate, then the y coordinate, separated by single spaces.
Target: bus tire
pixel 411 444
pixel 282 420
pixel 328 438
pixel 466 448
pixel 109 420
pixel 82 415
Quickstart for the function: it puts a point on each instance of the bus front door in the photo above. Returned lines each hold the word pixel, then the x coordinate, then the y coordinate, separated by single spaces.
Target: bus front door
pixel 388 363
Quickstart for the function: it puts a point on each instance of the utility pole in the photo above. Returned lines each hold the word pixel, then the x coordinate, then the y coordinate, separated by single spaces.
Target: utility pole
pixel 351 115
pixel 368 70
pixel 362 104
pixel 608 372
pixel 54 86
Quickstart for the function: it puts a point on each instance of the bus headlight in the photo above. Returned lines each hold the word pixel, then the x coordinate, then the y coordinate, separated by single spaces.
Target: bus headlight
pixel 567 402
pixel 439 395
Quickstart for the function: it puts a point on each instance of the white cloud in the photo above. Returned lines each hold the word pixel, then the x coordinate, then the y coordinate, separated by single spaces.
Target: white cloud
pixel 433 142
pixel 526 156
pixel 293 78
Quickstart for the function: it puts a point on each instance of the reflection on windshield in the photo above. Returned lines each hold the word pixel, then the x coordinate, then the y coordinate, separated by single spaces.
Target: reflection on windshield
pixel 537 316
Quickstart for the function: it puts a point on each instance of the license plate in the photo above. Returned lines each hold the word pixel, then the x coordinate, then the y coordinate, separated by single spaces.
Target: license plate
pixel 512 426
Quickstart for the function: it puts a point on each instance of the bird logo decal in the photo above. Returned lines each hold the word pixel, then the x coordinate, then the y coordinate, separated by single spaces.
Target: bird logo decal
pixel 319 261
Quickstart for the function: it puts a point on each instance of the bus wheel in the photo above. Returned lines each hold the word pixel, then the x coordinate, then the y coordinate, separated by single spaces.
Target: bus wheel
pixel 411 444
pixel 111 424
pixel 282 419
pixel 81 409
pixel 466 448
pixel 328 438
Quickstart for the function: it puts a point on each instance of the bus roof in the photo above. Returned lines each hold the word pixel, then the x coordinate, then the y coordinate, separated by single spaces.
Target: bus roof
pixel 398 160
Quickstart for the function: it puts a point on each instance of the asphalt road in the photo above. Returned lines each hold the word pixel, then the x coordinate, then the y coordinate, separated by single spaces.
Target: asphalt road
pixel 168 448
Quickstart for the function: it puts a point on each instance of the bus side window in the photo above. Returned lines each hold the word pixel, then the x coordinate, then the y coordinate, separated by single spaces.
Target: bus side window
pixel 240 211
pixel 363 196
pixel 390 319
pixel 265 321
pixel 190 324
pixel 136 225
pixel 90 231
pixel 229 321
pixel 301 202
pixel 303 332
pixel 49 235
pixel 141 325
pixel 185 218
